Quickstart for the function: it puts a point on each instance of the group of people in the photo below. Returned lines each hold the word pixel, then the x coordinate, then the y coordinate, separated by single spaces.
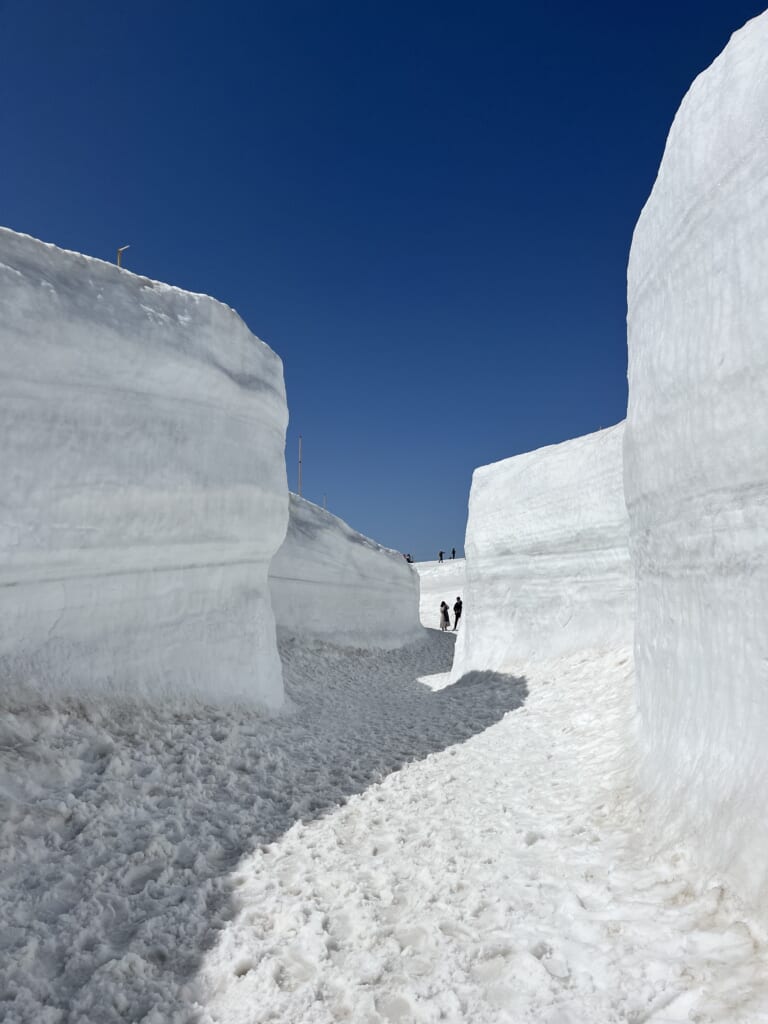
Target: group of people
pixel 441 553
pixel 445 614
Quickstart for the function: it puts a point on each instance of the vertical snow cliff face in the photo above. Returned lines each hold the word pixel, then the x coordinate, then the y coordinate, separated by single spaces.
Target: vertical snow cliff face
pixel 333 583
pixel 143 487
pixel 548 570
pixel 696 467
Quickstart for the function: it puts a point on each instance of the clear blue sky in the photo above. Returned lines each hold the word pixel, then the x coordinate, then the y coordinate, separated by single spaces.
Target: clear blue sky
pixel 424 207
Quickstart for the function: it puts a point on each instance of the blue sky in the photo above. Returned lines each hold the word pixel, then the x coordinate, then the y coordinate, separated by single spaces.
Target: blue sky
pixel 425 208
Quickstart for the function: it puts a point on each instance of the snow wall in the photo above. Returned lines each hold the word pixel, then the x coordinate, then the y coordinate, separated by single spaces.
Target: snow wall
pixel 548 570
pixel 143 485
pixel 333 583
pixel 439 581
pixel 696 463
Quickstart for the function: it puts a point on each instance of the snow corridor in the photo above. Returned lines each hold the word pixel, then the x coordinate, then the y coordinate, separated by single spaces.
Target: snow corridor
pixel 393 848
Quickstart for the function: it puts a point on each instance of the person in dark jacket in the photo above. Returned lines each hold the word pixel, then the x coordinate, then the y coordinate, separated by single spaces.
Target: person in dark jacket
pixel 457 612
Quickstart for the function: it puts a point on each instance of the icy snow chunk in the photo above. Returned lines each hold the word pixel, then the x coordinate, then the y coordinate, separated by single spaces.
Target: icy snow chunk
pixel 143 484
pixel 697 460
pixel 331 582
pixel 548 570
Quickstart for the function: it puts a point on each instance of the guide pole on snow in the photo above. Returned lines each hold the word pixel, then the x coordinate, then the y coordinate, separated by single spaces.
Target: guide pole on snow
pixel 299 465
pixel 120 252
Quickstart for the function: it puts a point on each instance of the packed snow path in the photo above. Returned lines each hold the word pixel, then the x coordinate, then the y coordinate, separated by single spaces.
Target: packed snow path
pixel 121 826
pixel 389 851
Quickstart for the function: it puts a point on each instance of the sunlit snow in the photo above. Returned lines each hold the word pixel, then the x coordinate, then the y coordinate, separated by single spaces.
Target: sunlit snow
pixel 472 827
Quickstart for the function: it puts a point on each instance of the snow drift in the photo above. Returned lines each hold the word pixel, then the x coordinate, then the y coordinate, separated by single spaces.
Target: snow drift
pixel 548 570
pixel 439 581
pixel 697 462
pixel 143 484
pixel 331 582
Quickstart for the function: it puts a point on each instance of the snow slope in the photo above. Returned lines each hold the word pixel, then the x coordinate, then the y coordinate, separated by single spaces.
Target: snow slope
pixel 332 582
pixel 697 461
pixel 547 559
pixel 143 485
pixel 439 581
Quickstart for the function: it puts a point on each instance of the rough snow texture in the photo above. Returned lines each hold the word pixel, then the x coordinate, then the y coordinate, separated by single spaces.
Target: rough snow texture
pixel 697 461
pixel 439 581
pixel 547 558
pixel 395 850
pixel 143 485
pixel 333 583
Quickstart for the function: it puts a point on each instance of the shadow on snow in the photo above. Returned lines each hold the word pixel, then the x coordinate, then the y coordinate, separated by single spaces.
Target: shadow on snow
pixel 131 885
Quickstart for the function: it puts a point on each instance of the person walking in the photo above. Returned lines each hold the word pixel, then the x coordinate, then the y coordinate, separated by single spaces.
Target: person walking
pixel 453 552
pixel 457 612
pixel 439 556
pixel 445 615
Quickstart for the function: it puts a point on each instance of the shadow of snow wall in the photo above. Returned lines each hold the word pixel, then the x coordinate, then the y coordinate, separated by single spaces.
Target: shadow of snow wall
pixel 548 570
pixel 143 485
pixel 334 584
pixel 696 463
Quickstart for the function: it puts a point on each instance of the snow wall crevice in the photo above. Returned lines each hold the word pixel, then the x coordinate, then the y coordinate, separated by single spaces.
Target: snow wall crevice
pixel 439 581
pixel 144 485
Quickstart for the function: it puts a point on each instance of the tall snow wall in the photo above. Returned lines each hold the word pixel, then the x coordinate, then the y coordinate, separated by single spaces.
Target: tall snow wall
pixel 697 462
pixel 143 489
pixel 334 584
pixel 548 570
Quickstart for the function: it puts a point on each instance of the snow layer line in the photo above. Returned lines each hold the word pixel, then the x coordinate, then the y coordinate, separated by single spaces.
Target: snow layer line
pixel 548 570
pixel 143 485
pixel 697 461
pixel 333 583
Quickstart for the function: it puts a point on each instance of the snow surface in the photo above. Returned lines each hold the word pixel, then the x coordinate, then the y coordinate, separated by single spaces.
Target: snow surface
pixel 697 463
pixel 144 485
pixel 548 570
pixel 329 581
pixel 439 581
pixel 395 849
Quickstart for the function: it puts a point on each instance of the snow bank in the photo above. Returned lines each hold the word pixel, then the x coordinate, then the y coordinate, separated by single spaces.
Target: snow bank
pixel 332 582
pixel 547 559
pixel 439 581
pixel 697 460
pixel 143 486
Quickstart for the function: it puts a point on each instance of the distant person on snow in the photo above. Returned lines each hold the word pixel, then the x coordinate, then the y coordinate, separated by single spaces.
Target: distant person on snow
pixel 439 556
pixel 457 612
pixel 453 552
pixel 445 616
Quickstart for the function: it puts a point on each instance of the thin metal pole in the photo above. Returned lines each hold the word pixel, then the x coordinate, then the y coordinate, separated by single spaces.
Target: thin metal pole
pixel 120 252
pixel 299 465
pixel 325 502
